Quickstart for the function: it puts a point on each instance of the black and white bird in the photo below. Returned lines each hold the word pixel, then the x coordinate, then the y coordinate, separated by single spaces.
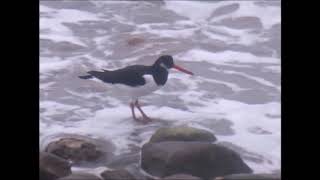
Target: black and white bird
pixel 138 80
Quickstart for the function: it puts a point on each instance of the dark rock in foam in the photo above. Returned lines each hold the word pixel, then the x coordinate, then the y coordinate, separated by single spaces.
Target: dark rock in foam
pixel 200 159
pixel 120 174
pixel 81 150
pixel 52 167
pixel 182 133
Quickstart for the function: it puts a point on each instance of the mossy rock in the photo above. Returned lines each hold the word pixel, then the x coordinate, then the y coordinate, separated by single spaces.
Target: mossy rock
pixel 182 133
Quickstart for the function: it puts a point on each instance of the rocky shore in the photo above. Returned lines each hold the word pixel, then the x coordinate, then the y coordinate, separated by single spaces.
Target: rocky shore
pixel 176 153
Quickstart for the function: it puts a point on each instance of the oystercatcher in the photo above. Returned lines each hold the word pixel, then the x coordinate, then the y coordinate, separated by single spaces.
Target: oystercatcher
pixel 138 80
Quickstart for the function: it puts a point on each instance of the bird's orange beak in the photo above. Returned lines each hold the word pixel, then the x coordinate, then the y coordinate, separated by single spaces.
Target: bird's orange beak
pixel 182 69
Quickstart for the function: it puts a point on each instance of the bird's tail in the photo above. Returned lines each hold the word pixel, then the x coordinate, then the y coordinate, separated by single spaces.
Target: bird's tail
pixel 95 74
pixel 86 77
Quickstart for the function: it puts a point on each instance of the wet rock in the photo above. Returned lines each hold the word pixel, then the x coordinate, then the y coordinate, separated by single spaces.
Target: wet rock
pixel 182 133
pixel 245 154
pixel 201 159
pixel 80 149
pixel 81 176
pixel 123 160
pixel 120 174
pixel 250 177
pixel 225 10
pixel 52 167
pixel 135 171
pixel 181 177
pixel 245 22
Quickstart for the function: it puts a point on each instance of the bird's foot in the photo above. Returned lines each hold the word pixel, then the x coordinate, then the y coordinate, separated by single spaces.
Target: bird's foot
pixel 136 119
pixel 146 119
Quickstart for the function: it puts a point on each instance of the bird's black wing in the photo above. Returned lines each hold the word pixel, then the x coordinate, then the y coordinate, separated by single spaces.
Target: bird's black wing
pixel 131 75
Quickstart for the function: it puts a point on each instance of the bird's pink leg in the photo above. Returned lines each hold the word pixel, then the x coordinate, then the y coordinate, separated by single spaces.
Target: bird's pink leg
pixel 132 111
pixel 145 117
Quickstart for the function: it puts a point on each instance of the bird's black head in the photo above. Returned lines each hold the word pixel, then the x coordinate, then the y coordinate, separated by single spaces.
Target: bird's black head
pixel 166 62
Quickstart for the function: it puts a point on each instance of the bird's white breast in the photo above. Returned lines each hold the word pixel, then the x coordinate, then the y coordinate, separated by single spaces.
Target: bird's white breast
pixel 138 91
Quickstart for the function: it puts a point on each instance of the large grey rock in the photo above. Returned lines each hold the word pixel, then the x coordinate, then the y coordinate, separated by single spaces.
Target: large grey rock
pixel 124 160
pixel 201 159
pixel 245 154
pixel 137 173
pixel 182 133
pixel 120 174
pixel 52 167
